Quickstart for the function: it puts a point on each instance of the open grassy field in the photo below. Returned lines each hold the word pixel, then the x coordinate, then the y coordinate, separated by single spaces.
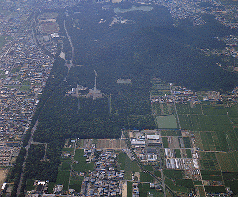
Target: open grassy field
pixel 145 177
pixel 145 189
pixel 127 165
pixel 82 165
pixel 167 122
pixel 175 187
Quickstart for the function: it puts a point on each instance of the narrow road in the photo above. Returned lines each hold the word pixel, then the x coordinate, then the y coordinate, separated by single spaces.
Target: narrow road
pixel 175 106
pixel 72 48
pixel 71 165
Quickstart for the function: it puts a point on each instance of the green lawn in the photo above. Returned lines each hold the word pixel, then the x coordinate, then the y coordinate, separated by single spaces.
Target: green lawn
pixel 166 122
pixel 127 165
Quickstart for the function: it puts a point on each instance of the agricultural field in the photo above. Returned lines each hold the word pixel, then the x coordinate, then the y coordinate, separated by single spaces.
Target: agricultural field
pixel 159 88
pixel 215 130
pixel 228 161
pixel 111 144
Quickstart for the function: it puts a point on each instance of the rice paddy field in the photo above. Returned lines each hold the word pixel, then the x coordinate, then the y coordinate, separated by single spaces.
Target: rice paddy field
pixel 214 128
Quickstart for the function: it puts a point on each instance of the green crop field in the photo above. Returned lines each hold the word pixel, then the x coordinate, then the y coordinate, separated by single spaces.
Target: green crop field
pixel 189 154
pixel 66 165
pixel 208 161
pixel 175 187
pixel 213 110
pixel 211 175
pixel 165 142
pixel 129 189
pixel 168 122
pixel 196 109
pixel 231 138
pixel 207 141
pixel 183 108
pixel 228 161
pixel 177 153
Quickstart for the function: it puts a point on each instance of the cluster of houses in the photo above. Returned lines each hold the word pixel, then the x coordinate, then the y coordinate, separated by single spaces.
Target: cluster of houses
pixel 105 180
pixel 178 94
pixel 24 70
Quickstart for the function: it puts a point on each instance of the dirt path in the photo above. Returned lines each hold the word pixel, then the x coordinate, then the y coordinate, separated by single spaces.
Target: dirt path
pixel 124 189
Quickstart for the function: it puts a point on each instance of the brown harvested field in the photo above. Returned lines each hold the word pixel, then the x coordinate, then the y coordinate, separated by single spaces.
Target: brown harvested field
pixel 111 144
pixel 49 28
pixel 183 153
pixel 3 174
pixel 131 134
pixel 200 190
pixel 174 142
